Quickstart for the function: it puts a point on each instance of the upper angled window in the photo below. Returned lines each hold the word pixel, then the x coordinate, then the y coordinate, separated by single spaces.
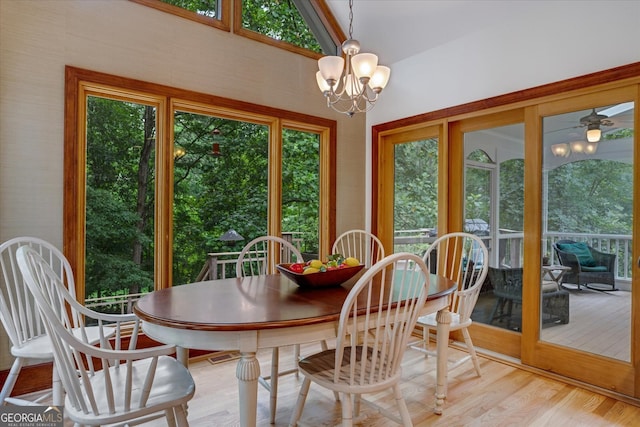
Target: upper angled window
pixel 294 25
pixel 209 12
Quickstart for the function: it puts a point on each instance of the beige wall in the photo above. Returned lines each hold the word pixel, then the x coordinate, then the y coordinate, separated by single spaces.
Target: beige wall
pixel 38 38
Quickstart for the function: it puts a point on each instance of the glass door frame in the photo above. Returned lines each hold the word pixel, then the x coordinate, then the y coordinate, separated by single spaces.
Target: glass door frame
pixel 481 114
pixel 610 374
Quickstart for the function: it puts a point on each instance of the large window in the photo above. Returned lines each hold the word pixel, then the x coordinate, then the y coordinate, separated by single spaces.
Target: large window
pixel 156 181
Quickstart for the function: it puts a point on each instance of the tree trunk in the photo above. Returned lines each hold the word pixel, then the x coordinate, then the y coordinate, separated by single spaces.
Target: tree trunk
pixel 142 207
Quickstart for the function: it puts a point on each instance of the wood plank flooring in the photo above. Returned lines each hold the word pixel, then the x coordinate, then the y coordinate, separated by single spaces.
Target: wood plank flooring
pixel 503 396
pixel 599 322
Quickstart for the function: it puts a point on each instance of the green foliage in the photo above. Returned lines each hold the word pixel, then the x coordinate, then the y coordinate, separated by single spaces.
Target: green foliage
pixel 280 20
pixel 201 7
pixel 301 186
pixel 512 195
pixel 416 185
pixel 591 196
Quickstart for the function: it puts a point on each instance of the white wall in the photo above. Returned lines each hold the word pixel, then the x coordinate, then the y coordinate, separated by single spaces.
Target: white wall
pixel 553 42
pixel 38 38
pixel 556 41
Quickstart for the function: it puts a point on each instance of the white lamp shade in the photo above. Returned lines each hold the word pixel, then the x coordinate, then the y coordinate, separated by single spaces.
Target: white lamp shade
pixel 560 150
pixel 380 78
pixel 322 83
pixel 594 135
pixel 352 85
pixel 331 67
pixel 364 65
pixel 577 146
pixel 591 148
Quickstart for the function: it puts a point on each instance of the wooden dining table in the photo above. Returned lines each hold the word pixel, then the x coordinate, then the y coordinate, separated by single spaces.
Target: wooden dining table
pixel 251 313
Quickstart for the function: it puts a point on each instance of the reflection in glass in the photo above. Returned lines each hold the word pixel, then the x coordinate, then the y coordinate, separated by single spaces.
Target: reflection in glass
pixel 415 212
pixel 587 199
pixel 494 203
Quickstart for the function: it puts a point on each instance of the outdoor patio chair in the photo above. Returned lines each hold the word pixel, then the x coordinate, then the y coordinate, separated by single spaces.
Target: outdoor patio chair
pixel 507 288
pixel 588 265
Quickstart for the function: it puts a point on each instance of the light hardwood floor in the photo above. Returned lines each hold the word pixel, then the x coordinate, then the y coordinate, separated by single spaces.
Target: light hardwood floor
pixel 503 396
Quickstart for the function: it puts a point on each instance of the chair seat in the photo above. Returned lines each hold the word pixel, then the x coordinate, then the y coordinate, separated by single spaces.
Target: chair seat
pixel 321 365
pixel 40 347
pixel 430 321
pixel 172 383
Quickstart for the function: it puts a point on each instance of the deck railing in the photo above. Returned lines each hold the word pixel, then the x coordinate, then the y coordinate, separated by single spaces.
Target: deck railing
pixel 220 265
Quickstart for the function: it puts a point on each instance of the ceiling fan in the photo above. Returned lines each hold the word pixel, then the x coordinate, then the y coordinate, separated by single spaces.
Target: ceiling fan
pixel 593 122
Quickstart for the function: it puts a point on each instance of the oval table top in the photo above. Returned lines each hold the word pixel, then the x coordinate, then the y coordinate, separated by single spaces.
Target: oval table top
pixel 253 302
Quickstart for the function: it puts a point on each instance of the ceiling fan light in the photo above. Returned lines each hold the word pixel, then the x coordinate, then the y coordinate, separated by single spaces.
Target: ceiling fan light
pixel 560 150
pixel 591 148
pixel 594 134
pixel 577 146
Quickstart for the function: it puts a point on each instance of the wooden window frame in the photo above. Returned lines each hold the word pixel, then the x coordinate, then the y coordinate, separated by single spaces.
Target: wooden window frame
pixel 221 23
pixel 80 82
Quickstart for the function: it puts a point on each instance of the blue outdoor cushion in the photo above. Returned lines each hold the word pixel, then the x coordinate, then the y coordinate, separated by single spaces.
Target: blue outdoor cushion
pixel 580 250
pixel 598 268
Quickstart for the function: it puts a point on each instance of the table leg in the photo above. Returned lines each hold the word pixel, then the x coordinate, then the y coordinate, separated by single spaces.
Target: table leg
pixel 247 372
pixel 442 346
pixel 182 354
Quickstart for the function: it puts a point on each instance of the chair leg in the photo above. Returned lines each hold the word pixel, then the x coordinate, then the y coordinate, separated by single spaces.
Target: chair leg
pixel 273 389
pixel 296 357
pixel 170 416
pixel 325 347
pixel 347 410
pixel 425 340
pixel 181 416
pixel 471 350
pixel 302 397
pixel 56 387
pixel 402 406
pixel 10 382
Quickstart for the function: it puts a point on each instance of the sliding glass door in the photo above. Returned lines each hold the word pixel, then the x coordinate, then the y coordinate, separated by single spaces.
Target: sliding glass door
pixel 586 244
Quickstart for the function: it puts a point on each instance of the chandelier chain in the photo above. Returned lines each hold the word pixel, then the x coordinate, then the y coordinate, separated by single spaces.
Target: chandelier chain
pixel 350 19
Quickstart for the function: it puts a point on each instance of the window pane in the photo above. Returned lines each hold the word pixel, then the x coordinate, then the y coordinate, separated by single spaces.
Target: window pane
pixel 279 20
pixel 120 191
pixel 494 211
pixel 301 189
pixel 220 184
pixel 588 204
pixel 415 213
pixel 208 8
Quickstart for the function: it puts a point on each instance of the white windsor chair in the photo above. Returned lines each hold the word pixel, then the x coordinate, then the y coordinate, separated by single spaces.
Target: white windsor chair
pixel 110 384
pixel 258 257
pixel 463 258
pixel 360 244
pixel 22 322
pixel 376 321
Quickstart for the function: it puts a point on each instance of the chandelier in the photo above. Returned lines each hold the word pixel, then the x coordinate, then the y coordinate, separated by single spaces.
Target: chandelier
pixel 580 147
pixel 351 86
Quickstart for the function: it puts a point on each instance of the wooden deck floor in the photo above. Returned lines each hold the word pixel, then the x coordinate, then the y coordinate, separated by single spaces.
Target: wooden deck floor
pixel 599 322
